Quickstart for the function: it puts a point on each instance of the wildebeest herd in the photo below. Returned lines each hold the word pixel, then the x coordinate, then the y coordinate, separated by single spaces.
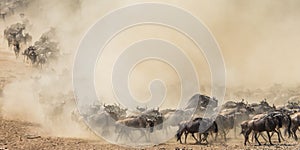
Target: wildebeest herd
pixel 244 119
pixel 43 50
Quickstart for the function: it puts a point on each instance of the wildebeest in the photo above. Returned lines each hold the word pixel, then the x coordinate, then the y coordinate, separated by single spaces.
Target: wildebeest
pixel 14 33
pixel 41 60
pixel 286 122
pixel 30 53
pixel 282 117
pixel 268 123
pixel 10 37
pixel 295 119
pixel 225 124
pixel 128 125
pixel 33 57
pixel 102 119
pixel 201 102
pixel 116 110
pixel 197 125
pixel 240 112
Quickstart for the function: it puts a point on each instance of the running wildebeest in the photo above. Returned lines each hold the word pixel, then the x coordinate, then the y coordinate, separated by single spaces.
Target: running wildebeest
pixel 269 123
pixel 197 125
pixel 225 124
pixel 128 125
pixel 282 117
pixel 27 53
pixel 33 57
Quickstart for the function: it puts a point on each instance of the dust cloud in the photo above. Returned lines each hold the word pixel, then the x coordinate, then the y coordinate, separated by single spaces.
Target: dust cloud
pixel 258 39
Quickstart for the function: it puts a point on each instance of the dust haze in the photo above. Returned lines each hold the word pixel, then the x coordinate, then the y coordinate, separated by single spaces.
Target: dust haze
pixel 259 42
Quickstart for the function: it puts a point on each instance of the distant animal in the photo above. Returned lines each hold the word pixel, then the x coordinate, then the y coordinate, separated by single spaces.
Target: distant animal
pixel 41 60
pixel 33 57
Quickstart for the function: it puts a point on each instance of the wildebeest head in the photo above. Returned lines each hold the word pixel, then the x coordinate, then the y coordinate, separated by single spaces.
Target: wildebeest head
pixel 279 118
pixel 150 124
pixel 245 127
pixel 159 121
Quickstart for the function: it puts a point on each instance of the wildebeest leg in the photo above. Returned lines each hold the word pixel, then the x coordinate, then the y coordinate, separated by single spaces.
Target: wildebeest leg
pixel 199 136
pixel 130 136
pixel 285 132
pixel 235 131
pixel 259 134
pixel 143 134
pixel 185 136
pixel 246 139
pixel 180 139
pixel 252 137
pixel 179 135
pixel 269 136
pixel 212 136
pixel 263 136
pixel 217 134
pixel 281 135
pixel 166 130
pixel 256 139
pixel 195 137
pixel 205 138
pixel 294 130
pixel 120 135
pixel 224 134
pixel 278 134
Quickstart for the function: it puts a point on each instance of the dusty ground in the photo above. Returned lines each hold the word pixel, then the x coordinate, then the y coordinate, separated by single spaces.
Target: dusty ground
pixel 17 134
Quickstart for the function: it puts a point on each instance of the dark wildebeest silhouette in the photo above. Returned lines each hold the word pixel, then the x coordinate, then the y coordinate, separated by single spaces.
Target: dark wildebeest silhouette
pixel 33 57
pixel 268 123
pixel 285 119
pixel 198 125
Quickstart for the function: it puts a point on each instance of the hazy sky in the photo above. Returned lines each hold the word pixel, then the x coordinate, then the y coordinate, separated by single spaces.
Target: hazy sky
pixel 259 39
